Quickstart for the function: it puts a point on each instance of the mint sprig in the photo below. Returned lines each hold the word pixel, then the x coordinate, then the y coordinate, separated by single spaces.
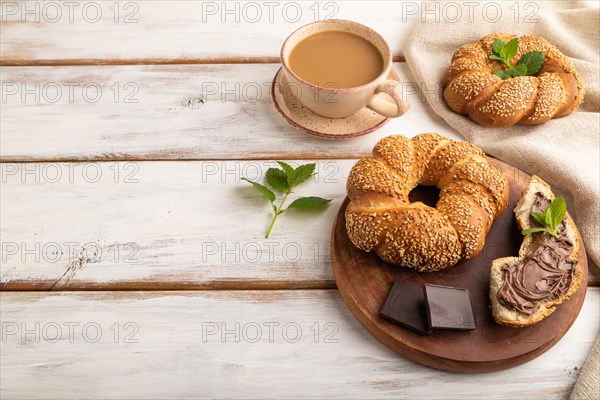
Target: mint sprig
pixel 550 219
pixel 529 64
pixel 283 180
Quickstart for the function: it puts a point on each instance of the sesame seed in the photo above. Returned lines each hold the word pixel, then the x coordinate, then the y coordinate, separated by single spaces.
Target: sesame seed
pixel 380 217
pixel 472 89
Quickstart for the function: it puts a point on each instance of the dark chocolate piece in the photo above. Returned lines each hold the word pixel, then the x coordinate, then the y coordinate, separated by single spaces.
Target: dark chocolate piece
pixel 449 307
pixel 405 305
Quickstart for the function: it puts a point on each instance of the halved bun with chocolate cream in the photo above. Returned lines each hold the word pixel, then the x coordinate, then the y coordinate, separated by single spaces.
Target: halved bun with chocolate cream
pixel 526 289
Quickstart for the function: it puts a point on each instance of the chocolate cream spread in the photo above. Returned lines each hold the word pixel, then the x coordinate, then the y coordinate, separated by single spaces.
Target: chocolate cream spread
pixel 544 274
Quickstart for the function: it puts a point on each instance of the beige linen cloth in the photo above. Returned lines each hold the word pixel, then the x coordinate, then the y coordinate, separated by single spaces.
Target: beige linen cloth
pixel 565 151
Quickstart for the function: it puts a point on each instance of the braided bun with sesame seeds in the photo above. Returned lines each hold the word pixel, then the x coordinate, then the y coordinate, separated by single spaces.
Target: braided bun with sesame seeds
pixel 472 89
pixel 381 218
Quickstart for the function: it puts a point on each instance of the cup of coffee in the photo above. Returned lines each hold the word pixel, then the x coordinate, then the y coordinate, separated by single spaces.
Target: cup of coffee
pixel 338 67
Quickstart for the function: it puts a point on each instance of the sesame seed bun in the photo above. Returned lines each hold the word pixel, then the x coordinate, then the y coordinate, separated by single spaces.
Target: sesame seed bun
pixel 381 218
pixel 471 88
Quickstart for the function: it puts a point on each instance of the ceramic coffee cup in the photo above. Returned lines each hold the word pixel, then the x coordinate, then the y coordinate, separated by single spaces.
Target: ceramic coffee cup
pixel 332 102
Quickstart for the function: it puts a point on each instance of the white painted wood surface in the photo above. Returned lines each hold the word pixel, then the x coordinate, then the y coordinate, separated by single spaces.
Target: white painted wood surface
pixel 35 32
pixel 155 112
pixel 151 31
pixel 161 224
pixel 187 345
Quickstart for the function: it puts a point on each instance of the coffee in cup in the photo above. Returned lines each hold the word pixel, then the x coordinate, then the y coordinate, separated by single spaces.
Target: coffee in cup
pixel 340 67
pixel 336 58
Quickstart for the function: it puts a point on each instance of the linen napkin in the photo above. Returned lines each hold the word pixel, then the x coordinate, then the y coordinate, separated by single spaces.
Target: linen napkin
pixel 565 152
pixel 587 386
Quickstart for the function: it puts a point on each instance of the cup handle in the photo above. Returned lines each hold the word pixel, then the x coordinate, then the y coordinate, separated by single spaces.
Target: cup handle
pixel 383 106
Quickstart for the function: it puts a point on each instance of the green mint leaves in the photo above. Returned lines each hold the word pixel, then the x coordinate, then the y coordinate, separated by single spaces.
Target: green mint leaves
pixel 283 180
pixel 263 189
pixel 549 219
pixel 533 60
pixel 504 52
pixel 529 64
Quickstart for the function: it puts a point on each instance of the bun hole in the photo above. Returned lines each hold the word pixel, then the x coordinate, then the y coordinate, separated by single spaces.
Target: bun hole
pixel 428 195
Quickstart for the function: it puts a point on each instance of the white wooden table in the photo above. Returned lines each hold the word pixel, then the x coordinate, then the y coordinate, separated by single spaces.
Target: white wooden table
pixel 133 258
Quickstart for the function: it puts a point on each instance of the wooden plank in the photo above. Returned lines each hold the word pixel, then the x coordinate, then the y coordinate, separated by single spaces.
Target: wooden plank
pixel 145 225
pixel 168 112
pixel 149 31
pixel 162 225
pixel 36 32
pixel 241 344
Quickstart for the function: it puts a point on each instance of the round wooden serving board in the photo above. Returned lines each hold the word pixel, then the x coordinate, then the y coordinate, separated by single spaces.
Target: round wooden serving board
pixel 364 281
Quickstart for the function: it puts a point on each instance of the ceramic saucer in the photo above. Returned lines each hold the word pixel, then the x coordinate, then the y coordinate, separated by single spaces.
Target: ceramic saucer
pixel 362 122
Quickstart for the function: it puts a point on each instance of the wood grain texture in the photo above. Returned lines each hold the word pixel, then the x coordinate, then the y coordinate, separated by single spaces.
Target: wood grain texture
pixel 179 31
pixel 165 32
pixel 364 281
pixel 176 346
pixel 168 112
pixel 161 225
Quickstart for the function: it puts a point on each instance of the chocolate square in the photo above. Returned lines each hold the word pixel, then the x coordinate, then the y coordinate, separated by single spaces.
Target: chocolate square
pixel 405 305
pixel 449 308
